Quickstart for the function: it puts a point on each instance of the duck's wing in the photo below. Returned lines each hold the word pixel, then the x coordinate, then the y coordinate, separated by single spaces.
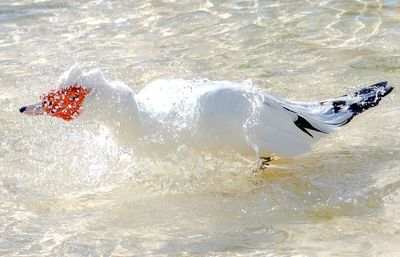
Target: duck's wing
pixel 239 118
pixel 310 121
pixel 323 117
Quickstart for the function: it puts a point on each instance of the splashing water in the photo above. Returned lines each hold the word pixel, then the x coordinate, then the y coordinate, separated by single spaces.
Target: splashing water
pixel 69 189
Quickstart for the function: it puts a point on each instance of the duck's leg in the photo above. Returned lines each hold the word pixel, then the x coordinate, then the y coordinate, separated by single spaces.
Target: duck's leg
pixel 265 161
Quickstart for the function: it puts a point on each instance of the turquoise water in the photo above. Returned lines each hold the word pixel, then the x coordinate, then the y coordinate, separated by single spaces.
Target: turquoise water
pixel 70 190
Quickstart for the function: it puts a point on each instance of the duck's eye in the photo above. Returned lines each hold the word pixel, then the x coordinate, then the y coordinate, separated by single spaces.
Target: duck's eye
pixel 45 103
pixel 74 96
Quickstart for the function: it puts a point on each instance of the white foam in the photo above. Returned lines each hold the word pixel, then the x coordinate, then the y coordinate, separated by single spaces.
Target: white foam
pixel 75 75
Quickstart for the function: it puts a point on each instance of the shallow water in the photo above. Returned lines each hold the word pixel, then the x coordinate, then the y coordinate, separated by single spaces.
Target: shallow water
pixel 70 190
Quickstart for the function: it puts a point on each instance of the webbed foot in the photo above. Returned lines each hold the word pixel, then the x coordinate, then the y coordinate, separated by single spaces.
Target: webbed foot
pixel 265 161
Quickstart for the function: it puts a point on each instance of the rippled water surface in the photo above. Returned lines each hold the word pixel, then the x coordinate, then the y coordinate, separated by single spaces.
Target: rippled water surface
pixel 70 190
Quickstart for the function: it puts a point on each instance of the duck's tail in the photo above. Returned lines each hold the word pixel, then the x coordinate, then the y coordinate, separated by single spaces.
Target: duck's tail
pixel 317 118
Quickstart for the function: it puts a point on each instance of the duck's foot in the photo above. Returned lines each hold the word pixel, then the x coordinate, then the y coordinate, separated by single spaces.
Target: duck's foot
pixel 265 162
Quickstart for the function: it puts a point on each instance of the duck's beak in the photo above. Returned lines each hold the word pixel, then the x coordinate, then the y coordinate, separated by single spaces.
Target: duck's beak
pixel 33 109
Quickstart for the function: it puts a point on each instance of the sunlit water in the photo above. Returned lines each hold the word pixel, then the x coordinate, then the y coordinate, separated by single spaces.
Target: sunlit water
pixel 70 190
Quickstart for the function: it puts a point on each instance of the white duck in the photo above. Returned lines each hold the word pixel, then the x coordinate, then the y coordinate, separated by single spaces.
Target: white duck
pixel 205 115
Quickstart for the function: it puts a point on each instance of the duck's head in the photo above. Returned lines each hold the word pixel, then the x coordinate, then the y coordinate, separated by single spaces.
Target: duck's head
pixel 65 103
pixel 89 96
pixel 72 95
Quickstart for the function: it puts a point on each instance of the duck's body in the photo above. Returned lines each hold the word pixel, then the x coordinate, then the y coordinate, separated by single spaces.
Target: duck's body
pixel 219 115
pixel 213 115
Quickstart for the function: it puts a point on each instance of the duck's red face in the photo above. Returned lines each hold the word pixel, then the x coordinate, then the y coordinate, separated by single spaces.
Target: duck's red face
pixel 65 103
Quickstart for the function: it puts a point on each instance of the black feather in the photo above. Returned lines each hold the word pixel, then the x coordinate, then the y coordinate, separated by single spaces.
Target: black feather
pixel 303 124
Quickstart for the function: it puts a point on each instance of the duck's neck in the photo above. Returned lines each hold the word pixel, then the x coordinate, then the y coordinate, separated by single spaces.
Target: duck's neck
pixel 116 108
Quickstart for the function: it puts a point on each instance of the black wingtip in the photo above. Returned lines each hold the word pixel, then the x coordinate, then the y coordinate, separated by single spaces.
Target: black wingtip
pixel 389 89
pixel 380 89
pixel 370 96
